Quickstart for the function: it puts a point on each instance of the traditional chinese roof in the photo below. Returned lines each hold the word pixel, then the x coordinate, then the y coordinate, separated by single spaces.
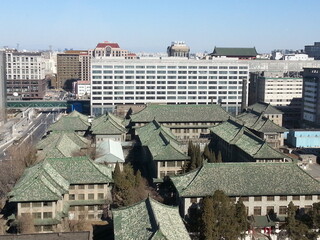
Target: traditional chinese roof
pixel 234 52
pixel 181 113
pixel 161 143
pixel 148 219
pixel 246 179
pixel 256 121
pixel 50 179
pixel 75 121
pixel 109 151
pixel 238 135
pixel 108 124
pixel 266 108
pixel 61 144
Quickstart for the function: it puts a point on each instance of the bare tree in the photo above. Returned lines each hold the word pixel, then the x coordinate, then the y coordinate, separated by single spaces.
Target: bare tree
pixel 26 224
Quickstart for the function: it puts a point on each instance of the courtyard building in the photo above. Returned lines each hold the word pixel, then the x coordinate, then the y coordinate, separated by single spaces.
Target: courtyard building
pixel 238 144
pixel 261 186
pixel 62 188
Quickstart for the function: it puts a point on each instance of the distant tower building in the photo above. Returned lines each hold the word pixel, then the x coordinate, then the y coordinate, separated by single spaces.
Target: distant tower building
pixel 3 97
pixel 178 49
pixel 311 97
pixel 313 50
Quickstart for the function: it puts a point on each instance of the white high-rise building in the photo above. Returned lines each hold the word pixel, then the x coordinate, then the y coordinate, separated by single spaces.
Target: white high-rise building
pixel 167 80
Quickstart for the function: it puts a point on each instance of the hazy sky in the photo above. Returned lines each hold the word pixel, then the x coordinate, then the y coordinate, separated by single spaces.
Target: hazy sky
pixel 151 25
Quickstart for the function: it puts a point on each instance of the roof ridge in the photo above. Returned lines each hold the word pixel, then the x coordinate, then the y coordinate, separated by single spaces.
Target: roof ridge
pixel 198 172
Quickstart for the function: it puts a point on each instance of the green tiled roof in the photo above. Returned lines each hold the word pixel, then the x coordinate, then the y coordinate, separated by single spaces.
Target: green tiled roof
pixel 72 122
pixel 246 179
pixel 108 124
pixel 264 107
pixel 256 121
pixel 148 219
pixel 238 135
pixel 181 113
pixel 49 179
pixel 161 142
pixel 262 221
pixel 62 144
pixel 80 115
pixel 234 52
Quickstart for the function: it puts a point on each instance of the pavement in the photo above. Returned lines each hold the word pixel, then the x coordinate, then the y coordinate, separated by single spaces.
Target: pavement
pixel 31 134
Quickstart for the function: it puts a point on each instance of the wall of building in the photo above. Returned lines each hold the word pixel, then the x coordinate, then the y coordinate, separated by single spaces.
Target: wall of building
pixel 264 203
pixel 304 139
pixel 172 81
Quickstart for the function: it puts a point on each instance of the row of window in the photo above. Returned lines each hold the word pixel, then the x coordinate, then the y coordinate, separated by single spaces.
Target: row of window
pixel 166 72
pixel 90 196
pixel 36 204
pixel 168 97
pixel 88 186
pixel 164 67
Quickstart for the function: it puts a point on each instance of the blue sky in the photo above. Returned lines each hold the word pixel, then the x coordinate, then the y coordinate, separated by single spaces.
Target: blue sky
pixel 151 25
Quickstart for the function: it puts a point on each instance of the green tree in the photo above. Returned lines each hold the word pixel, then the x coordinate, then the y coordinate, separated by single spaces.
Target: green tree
pixel 206 230
pixel 212 157
pixel 219 158
pixel 206 152
pixel 295 229
pixel 241 216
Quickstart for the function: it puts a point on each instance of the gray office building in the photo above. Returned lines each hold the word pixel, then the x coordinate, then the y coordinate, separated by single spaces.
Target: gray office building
pixel 3 97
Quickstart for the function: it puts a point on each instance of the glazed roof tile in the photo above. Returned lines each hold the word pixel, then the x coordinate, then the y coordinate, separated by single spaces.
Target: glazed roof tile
pixel 70 123
pixel 237 134
pixel 246 179
pixel 181 113
pixel 161 143
pixel 264 107
pixel 49 179
pixel 62 144
pixel 234 52
pixel 108 124
pixel 151 220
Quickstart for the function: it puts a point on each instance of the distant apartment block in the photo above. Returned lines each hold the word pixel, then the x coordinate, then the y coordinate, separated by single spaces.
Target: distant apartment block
pixel 3 95
pixel 285 93
pixel 178 49
pixel 68 69
pixel 83 88
pixel 25 75
pixel 167 80
pixel 313 50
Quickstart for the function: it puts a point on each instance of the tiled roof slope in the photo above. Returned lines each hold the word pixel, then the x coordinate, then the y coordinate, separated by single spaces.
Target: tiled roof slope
pixel 264 107
pixel 259 123
pixel 70 123
pixel 160 141
pixel 62 144
pixel 181 113
pixel 75 113
pixel 49 179
pixel 246 179
pixel 148 219
pixel 234 52
pixel 109 151
pixel 108 124
pixel 237 134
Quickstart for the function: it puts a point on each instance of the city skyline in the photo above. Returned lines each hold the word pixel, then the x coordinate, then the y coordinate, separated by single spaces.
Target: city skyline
pixel 143 26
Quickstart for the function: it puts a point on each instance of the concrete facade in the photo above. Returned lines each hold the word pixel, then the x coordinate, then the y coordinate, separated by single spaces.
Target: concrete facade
pixel 166 80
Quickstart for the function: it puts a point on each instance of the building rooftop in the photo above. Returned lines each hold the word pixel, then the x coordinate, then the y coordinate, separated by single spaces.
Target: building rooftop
pixel 50 179
pixel 181 113
pixel 234 52
pixel 161 143
pixel 258 122
pixel 237 134
pixel 109 151
pixel 75 121
pixel 106 43
pixel 262 107
pixel 61 144
pixel 108 124
pixel 246 179
pixel 149 219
